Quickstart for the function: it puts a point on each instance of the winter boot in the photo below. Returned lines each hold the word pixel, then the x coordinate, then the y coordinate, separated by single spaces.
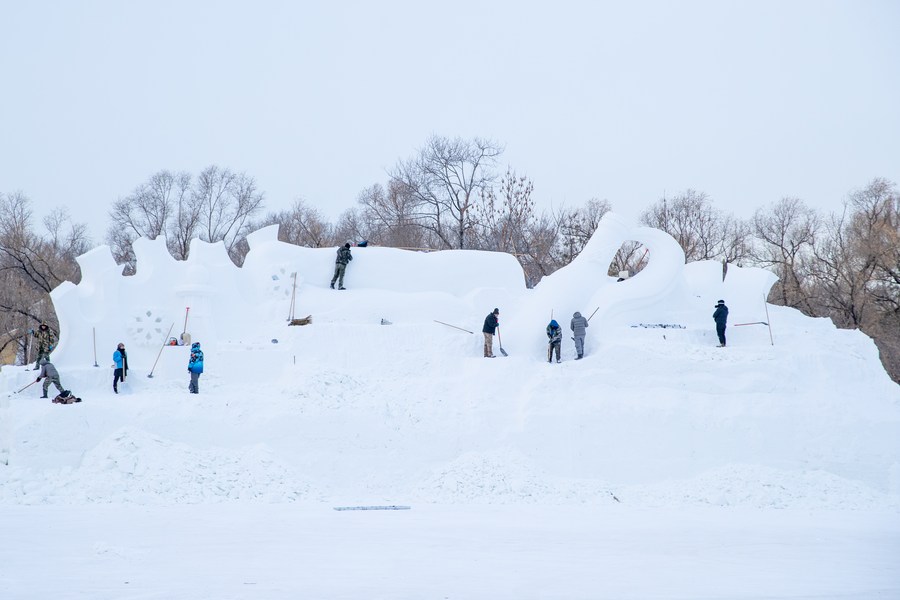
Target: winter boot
pixel 332 285
pixel 45 395
pixel 35 368
pixel 342 288
pixel 579 357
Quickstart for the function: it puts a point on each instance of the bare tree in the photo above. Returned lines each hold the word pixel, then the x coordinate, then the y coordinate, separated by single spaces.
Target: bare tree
pixel 785 235
pixel 183 224
pixel 445 179
pixel 226 201
pixel 876 227
pixel 842 274
pixel 504 214
pixel 578 225
pixel 702 231
pixel 507 223
pixel 391 216
pixel 303 225
pixel 146 212
pixel 630 257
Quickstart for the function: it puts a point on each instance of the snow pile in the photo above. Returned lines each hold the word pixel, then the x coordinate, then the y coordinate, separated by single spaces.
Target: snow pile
pixel 133 466
pixel 763 487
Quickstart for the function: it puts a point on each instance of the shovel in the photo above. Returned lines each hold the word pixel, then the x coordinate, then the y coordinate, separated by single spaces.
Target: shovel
pixel 502 351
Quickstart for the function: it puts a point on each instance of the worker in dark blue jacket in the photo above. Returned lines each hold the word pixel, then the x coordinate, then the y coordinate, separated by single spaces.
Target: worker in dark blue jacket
pixel 721 318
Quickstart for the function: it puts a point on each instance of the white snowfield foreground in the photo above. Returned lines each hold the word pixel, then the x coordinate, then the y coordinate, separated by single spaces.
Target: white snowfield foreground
pixel 656 448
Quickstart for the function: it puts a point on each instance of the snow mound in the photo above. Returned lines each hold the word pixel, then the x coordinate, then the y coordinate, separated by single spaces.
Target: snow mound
pixel 134 466
pixel 758 486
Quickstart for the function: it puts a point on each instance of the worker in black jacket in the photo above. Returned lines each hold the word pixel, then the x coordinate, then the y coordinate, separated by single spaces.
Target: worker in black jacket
pixel 721 318
pixel 491 323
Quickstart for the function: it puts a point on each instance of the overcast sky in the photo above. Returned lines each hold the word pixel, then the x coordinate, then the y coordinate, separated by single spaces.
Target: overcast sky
pixel 625 101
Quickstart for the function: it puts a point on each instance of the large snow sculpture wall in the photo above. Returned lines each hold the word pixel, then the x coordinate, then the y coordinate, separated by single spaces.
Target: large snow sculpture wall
pixel 224 303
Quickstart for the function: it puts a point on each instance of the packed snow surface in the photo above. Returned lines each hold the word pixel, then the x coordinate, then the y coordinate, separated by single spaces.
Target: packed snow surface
pixel 525 478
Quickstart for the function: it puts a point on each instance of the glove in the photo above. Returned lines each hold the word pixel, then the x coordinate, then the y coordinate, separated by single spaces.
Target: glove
pixel 38 379
pixel 50 349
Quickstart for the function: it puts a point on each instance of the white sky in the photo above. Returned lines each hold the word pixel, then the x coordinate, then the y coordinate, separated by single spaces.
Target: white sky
pixel 747 101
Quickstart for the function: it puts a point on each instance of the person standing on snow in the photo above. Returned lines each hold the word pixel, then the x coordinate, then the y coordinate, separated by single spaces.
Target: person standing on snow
pixel 554 334
pixel 340 265
pixel 121 360
pixel 50 375
pixel 491 323
pixel 721 318
pixel 578 326
pixel 195 366
pixel 45 342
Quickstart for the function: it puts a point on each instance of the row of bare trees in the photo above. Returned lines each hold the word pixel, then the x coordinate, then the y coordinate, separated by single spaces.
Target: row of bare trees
pixel 215 206
pixel 451 194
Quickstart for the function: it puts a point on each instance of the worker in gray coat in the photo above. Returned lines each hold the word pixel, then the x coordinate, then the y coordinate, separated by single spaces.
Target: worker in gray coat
pixel 578 326
pixel 50 375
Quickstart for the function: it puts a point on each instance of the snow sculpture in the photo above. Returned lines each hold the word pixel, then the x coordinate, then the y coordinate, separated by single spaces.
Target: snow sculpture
pixel 217 302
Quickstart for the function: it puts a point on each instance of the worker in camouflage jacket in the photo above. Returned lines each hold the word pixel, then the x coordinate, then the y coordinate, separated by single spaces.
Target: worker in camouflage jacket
pixel 45 341
pixel 340 265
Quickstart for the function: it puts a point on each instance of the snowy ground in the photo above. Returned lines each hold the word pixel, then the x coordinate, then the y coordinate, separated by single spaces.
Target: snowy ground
pixel 445 552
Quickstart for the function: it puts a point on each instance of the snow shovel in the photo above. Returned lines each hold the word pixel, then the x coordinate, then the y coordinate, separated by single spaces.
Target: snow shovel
pixel 499 341
pixel 185 336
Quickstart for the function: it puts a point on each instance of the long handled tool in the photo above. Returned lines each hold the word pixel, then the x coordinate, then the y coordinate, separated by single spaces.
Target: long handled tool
pixel 453 326
pixel 593 313
pixel 185 336
pixel 502 351
pixel 766 305
pixel 94 331
pixel 166 339
pixel 293 297
pixel 27 386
